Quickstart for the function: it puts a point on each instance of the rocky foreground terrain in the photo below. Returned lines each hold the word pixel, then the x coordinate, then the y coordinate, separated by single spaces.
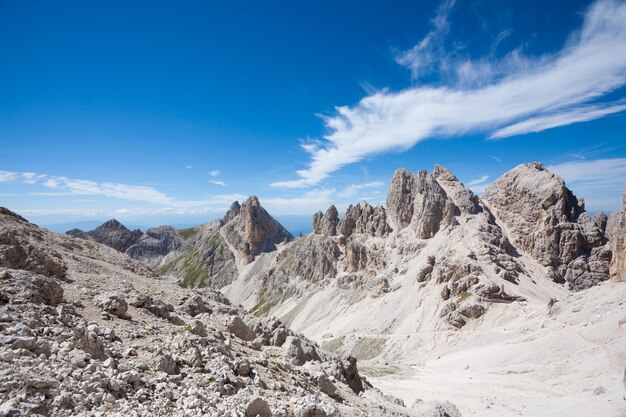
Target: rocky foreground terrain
pixel 86 330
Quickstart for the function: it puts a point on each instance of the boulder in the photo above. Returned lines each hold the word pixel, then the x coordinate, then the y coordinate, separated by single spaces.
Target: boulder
pixel 113 303
pixel 240 329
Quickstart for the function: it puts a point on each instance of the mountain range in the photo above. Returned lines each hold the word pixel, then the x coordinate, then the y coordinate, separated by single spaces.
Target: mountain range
pixel 518 292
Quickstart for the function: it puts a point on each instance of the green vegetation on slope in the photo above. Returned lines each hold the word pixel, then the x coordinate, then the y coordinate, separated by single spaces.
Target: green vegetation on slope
pixel 190 264
pixel 187 233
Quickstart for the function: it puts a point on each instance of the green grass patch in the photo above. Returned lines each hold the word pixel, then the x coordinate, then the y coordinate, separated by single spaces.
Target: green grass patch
pixel 462 296
pixel 187 233
pixel 192 268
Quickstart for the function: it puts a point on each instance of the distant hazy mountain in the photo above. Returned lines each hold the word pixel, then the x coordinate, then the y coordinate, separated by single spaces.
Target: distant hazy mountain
pixel 92 224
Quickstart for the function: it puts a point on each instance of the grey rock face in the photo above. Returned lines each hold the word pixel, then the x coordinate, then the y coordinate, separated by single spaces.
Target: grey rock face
pixel 194 306
pixel 254 231
pixel 364 219
pixel 312 258
pixel 400 199
pixel 326 224
pixel 233 211
pixel 298 352
pixel 19 250
pixel 209 262
pixel 547 221
pixel 115 235
pixel 292 351
pixel 164 362
pixel 418 201
pixel 157 241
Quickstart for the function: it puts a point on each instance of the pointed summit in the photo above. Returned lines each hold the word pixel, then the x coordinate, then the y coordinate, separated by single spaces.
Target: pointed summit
pixel 233 211
pixel 254 231
pixel 326 224
pixel 111 233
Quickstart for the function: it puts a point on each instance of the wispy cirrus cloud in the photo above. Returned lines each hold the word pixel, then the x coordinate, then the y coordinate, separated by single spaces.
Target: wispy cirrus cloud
pixel 478 185
pixel 353 189
pixel 511 96
pixel 564 118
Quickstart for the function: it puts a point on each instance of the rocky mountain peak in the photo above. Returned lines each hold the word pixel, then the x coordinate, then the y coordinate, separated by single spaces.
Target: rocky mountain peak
pixel 254 231
pixel 111 233
pixel 233 211
pixel 534 192
pixel 112 224
pixel 443 173
pixel 547 221
pixel 419 201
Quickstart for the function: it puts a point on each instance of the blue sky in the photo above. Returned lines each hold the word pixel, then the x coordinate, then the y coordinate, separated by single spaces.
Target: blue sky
pixel 164 112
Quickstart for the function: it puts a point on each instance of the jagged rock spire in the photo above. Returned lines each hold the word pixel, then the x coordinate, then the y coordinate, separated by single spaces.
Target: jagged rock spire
pixel 326 224
pixel 233 211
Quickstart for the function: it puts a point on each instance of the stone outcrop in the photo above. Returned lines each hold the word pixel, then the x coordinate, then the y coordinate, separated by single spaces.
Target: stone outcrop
pixel 326 224
pixel 364 219
pixel 548 222
pixel 617 236
pixel 20 247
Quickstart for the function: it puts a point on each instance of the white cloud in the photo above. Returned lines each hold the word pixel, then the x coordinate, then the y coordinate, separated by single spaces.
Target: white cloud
pixel 51 183
pixel 427 55
pixel 541 92
pixel 600 182
pixel 307 203
pixel 6 176
pixel 217 182
pixel 351 190
pixel 214 173
pixel 188 166
pixel 478 185
pixel 64 186
pixel 566 117
pixel 477 181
